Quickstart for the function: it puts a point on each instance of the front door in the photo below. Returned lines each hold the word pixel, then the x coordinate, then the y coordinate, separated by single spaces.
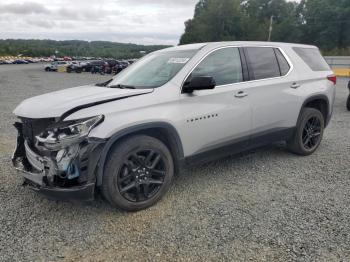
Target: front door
pixel 222 116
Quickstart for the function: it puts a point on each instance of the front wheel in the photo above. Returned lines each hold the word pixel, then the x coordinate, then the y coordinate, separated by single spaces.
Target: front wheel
pixel 309 132
pixel 138 173
pixel 348 103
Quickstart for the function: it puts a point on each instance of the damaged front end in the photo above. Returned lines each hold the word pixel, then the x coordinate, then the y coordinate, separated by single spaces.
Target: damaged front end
pixel 57 158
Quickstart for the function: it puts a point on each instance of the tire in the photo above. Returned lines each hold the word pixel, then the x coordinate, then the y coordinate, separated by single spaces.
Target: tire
pixel 305 142
pixel 47 69
pixel 348 103
pixel 129 182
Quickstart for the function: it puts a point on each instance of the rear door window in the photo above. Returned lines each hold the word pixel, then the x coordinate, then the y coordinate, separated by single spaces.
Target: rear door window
pixel 313 58
pixel 262 62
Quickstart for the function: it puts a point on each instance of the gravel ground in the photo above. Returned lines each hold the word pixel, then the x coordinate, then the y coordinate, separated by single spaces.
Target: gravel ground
pixel 264 205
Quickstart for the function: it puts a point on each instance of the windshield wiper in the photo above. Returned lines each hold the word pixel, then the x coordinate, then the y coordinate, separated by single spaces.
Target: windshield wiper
pixel 122 86
pixel 104 83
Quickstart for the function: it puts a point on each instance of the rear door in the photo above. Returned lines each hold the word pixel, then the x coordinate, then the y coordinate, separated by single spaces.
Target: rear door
pixel 273 92
pixel 222 116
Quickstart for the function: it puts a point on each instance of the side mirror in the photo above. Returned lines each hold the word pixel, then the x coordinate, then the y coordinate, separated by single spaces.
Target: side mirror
pixel 199 83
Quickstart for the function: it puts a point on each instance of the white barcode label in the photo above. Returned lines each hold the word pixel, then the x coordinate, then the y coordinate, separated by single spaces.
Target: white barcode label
pixel 178 60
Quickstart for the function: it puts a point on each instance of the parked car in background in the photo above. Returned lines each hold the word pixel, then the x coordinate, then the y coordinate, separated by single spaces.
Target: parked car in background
pixel 89 65
pixel 9 61
pixel 115 66
pixel 20 61
pixel 110 67
pixel 119 66
pixel 98 67
pixel 177 106
pixel 46 59
pixel 30 60
pixel 54 66
pixel 67 58
pixel 76 67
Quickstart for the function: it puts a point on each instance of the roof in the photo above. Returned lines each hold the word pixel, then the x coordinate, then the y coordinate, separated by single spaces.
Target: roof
pixel 185 47
pixel 235 43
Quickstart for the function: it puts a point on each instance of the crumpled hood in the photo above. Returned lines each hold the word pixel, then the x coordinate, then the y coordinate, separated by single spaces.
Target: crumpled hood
pixel 55 104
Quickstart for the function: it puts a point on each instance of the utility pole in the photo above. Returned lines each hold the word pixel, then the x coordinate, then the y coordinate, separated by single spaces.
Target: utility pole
pixel 270 28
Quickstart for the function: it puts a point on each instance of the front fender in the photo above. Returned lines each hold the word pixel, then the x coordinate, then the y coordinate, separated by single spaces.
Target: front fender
pixel 134 129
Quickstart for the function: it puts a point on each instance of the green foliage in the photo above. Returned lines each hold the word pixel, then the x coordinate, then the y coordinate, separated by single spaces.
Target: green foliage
pixel 325 23
pixel 38 48
pixel 337 52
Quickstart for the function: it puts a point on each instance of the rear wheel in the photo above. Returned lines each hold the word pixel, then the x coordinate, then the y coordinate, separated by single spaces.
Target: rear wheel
pixel 348 103
pixel 309 132
pixel 47 69
pixel 138 173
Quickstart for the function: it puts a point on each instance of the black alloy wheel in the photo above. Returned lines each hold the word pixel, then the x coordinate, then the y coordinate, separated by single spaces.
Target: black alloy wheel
pixel 312 133
pixel 141 175
pixel 308 132
pixel 138 173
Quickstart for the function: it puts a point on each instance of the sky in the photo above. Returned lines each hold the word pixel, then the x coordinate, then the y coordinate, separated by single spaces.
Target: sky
pixel 128 21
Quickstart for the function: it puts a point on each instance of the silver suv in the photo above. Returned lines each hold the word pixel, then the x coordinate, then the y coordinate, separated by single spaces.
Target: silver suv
pixel 178 106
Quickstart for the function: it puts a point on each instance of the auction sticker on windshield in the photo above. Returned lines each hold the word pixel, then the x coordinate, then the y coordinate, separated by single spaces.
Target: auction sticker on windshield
pixel 178 60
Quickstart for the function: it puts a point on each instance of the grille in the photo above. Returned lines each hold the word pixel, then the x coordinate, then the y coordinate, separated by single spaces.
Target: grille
pixel 33 127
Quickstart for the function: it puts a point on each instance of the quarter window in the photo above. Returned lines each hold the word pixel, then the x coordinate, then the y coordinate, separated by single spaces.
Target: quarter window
pixel 284 66
pixel 224 65
pixel 313 58
pixel 262 62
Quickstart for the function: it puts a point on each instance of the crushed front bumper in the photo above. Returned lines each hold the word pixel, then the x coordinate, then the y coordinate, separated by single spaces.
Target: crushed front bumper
pixel 46 175
pixel 36 183
pixel 81 193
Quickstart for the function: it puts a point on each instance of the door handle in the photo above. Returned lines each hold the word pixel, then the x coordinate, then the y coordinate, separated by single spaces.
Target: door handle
pixel 295 86
pixel 241 94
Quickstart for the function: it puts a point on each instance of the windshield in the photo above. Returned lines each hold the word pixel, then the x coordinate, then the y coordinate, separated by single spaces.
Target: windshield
pixel 153 70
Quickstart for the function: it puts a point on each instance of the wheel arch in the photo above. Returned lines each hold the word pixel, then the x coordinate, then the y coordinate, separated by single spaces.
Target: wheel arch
pixel 163 131
pixel 321 103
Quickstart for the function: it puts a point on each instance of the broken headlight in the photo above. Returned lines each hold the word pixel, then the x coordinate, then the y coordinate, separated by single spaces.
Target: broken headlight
pixel 64 134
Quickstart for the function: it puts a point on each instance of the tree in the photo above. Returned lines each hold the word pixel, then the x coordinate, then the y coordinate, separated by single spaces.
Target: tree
pixel 325 23
pixel 73 48
pixel 214 20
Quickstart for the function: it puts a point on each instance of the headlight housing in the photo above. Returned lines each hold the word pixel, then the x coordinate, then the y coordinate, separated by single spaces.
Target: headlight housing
pixel 64 134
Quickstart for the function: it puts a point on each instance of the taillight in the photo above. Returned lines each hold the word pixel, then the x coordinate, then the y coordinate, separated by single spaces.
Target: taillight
pixel 332 78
